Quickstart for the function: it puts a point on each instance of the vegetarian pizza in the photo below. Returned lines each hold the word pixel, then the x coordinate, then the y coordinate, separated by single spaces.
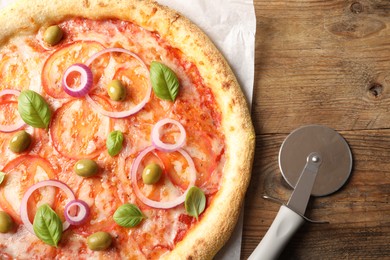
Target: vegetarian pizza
pixel 123 133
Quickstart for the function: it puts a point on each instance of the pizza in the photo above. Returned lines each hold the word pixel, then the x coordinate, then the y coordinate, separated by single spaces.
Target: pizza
pixel 123 133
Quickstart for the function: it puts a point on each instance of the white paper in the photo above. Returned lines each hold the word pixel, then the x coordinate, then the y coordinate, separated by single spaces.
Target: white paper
pixel 231 25
pixel 3 3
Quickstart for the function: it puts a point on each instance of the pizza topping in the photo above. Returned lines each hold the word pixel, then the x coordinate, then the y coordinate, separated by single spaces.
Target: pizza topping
pixel 33 109
pixel 20 142
pixel 195 202
pixel 70 78
pixel 109 50
pixel 190 170
pixel 116 90
pixel 101 194
pixel 151 173
pixel 99 241
pixel 128 215
pixel 23 172
pixel 157 131
pixel 23 207
pixel 53 35
pixel 63 58
pixel 86 168
pixel 12 126
pixel 47 225
pixel 82 212
pixel 6 222
pixel 164 81
pixel 121 114
pixel 114 143
pixel 136 108
pixel 83 136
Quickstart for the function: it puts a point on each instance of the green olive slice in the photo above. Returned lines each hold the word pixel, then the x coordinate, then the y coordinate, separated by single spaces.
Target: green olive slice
pixel 116 90
pixel 6 222
pixel 53 35
pixel 20 142
pixel 86 168
pixel 151 173
pixel 99 241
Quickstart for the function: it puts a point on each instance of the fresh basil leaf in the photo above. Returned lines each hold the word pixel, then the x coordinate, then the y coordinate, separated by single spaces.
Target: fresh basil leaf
pixel 2 177
pixel 164 81
pixel 128 215
pixel 33 109
pixel 195 202
pixel 47 225
pixel 114 142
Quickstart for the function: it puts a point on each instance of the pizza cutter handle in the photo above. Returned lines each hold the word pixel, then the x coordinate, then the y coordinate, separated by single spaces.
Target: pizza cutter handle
pixel 285 224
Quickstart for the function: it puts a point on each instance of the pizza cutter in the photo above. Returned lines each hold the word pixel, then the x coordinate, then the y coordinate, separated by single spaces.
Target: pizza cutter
pixel 314 160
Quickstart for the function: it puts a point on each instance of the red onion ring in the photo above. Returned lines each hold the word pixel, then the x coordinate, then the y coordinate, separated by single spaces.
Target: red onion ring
pixel 93 57
pixel 161 204
pixel 156 136
pixel 86 80
pixel 23 204
pixel 9 92
pixel 82 214
pixel 20 123
pixel 131 111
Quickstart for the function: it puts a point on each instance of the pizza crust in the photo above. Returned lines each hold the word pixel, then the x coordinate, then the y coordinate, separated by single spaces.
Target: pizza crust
pixel 208 236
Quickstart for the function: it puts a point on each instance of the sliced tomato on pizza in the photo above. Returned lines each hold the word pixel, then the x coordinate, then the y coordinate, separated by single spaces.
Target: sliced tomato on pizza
pixel 22 173
pixel 103 200
pixel 78 131
pixel 11 64
pixel 60 60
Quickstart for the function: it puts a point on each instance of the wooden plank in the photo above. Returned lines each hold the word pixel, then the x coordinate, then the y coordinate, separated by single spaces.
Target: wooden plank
pixel 321 62
pixel 358 214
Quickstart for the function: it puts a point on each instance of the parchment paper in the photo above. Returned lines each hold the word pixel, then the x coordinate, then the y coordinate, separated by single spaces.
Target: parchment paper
pixel 231 25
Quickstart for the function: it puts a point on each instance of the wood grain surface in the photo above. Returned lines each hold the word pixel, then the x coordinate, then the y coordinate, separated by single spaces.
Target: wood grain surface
pixel 324 62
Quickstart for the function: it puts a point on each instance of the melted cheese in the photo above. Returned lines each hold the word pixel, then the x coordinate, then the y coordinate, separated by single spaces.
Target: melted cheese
pixel 12 188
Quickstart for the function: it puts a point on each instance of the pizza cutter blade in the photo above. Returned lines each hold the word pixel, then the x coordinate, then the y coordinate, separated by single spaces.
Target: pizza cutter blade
pixel 314 160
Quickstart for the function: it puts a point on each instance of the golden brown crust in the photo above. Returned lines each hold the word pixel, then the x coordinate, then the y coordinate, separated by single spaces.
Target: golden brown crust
pixel 206 238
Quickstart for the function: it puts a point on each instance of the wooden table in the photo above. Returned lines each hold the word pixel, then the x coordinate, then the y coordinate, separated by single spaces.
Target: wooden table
pixel 324 62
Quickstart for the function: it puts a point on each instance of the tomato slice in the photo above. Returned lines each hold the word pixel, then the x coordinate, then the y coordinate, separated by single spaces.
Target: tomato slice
pixel 60 60
pixel 13 73
pixel 206 151
pixel 174 180
pixel 8 116
pixel 185 222
pixel 155 191
pixel 136 83
pixel 174 163
pixel 132 74
pixel 85 135
pixel 9 113
pixel 103 201
pixel 21 173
